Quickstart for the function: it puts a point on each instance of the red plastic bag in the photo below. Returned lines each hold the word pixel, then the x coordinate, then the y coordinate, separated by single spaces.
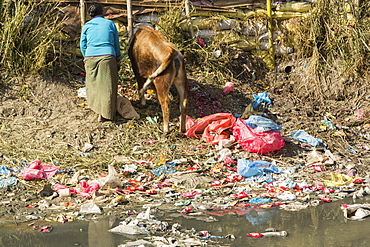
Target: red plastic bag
pixel 215 123
pixel 256 142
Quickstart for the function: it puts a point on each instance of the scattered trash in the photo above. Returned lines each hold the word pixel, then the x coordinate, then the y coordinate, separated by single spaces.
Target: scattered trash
pixel 36 170
pixel 6 182
pixel 302 136
pixel 355 211
pixel 260 98
pixel 258 168
pixel 202 182
pixel 228 88
pixel 90 208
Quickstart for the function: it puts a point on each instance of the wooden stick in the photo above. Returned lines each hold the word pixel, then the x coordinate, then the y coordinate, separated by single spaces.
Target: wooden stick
pixel 83 12
pixel 129 19
pixel 188 17
pixel 270 31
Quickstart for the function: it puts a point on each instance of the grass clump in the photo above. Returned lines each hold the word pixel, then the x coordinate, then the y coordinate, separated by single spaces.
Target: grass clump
pixel 335 40
pixel 27 37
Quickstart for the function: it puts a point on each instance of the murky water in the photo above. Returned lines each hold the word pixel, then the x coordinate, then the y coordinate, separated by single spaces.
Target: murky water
pixel 323 225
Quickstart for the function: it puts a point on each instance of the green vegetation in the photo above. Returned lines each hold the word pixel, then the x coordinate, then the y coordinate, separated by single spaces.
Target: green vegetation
pixel 333 39
pixel 28 34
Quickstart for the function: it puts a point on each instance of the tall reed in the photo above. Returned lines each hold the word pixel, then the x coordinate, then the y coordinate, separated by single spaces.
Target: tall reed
pixel 27 37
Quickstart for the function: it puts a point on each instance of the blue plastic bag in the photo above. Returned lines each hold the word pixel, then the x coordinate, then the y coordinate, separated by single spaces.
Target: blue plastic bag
pixel 165 169
pixel 4 170
pixel 260 200
pixel 259 98
pixel 11 181
pixel 258 168
pixel 265 124
pixel 302 136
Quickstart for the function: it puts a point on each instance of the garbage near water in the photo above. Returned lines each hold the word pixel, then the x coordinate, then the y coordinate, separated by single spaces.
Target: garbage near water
pixel 217 186
pixel 226 179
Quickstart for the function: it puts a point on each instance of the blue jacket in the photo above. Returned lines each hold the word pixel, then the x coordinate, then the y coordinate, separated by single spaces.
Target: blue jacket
pixel 99 37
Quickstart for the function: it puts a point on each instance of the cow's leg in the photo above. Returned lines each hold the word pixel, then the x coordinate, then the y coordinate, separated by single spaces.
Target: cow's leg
pixel 181 84
pixel 141 91
pixel 162 86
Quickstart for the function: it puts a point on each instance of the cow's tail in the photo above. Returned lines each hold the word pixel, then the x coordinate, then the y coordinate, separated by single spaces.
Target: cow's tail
pixel 158 71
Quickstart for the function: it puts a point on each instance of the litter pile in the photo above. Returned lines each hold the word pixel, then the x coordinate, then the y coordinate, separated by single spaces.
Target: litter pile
pixel 234 177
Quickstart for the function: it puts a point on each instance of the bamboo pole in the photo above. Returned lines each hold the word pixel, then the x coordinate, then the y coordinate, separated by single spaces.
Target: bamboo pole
pixel 82 12
pixel 130 28
pixel 188 17
pixel 270 31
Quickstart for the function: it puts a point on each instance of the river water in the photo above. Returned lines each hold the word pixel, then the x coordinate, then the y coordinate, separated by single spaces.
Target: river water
pixel 323 225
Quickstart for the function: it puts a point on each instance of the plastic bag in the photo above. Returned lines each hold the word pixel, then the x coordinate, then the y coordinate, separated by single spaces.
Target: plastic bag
pixel 125 109
pixel 228 87
pixel 259 98
pixel 257 168
pixel 36 170
pixel 256 142
pixel 111 181
pixel 90 208
pixel 302 136
pixel 4 170
pixel 355 211
pixel 165 169
pixel 11 181
pixel 215 123
pixel 261 124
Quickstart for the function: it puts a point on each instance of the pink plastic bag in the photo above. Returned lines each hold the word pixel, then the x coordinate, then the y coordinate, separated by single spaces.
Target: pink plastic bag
pixel 228 87
pixel 256 142
pixel 36 170
pixel 89 188
pixel 212 126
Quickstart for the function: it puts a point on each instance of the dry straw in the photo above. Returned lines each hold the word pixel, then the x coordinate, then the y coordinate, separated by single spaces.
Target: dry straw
pixel 334 40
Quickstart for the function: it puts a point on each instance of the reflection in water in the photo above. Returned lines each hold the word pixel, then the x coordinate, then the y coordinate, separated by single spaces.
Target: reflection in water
pixel 258 216
pixel 98 234
pixel 323 225
pixel 77 233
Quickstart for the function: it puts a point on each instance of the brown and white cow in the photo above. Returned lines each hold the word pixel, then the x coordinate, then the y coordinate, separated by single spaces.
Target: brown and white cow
pixel 155 59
